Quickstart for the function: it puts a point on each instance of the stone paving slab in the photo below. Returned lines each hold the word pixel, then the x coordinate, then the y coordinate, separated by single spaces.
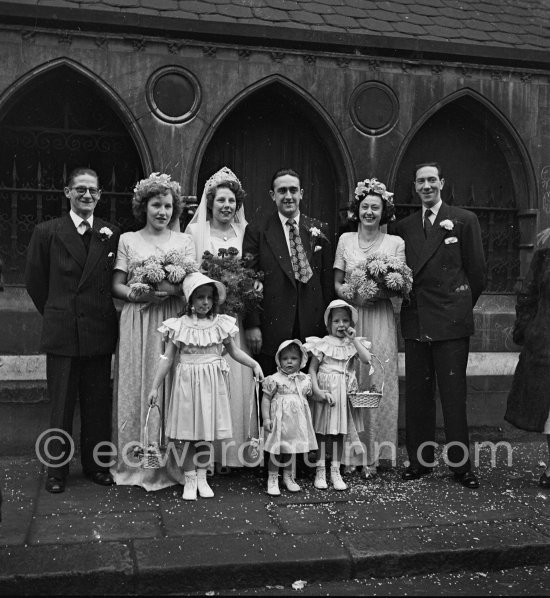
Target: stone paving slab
pixel 66 569
pixel 16 520
pixel 191 519
pixel 446 548
pixel 74 528
pixel 181 564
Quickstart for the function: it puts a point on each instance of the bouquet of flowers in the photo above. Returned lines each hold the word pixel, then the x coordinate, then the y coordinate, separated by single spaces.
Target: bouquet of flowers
pixel 376 276
pixel 171 266
pixel 243 284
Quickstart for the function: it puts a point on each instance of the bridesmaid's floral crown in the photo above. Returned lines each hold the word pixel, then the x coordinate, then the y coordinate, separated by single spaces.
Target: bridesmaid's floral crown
pixel 368 187
pixel 156 182
pixel 224 175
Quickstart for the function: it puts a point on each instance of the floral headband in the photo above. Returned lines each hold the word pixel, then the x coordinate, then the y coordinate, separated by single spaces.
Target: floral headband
pixel 155 179
pixel 373 186
pixel 224 175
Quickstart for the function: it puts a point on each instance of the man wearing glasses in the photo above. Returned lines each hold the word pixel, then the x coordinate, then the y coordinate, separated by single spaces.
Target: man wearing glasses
pixel 68 277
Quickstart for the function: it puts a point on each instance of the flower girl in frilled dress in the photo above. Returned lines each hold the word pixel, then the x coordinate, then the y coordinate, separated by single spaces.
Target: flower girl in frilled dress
pixel 286 415
pixel 199 403
pixel 331 368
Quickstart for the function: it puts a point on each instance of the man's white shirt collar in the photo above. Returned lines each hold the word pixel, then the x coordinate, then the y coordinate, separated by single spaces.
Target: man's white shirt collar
pixel 284 219
pixel 435 210
pixel 77 220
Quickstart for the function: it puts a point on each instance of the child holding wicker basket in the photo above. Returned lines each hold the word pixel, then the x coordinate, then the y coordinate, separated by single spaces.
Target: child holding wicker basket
pixel 333 377
pixel 199 404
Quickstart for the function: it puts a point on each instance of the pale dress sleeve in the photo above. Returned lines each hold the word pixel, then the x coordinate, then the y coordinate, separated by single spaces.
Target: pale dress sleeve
pixel 122 254
pixel 269 386
pixel 339 258
pixel 400 249
pixel 169 329
pixel 316 352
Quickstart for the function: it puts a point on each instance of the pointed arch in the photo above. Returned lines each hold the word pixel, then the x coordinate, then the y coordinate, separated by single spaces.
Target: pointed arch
pixel 54 118
pixel 317 114
pixel 486 169
pixel 10 95
pixel 511 143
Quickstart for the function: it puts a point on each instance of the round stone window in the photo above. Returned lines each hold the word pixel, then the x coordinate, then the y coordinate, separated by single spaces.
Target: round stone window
pixel 373 108
pixel 173 94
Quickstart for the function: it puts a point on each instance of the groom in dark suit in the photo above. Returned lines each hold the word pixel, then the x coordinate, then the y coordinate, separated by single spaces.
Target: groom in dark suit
pixel 295 255
pixel 445 252
pixel 68 276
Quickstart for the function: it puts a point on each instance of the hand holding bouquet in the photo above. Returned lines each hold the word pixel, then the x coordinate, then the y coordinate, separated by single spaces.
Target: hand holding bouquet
pixel 377 276
pixel 243 284
pixel 157 272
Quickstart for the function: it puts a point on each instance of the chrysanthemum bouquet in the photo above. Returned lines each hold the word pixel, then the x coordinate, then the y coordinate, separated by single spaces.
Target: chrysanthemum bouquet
pixel 243 284
pixel 376 276
pixel 171 266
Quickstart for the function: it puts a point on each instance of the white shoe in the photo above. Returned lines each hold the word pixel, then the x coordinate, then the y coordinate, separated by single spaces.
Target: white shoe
pixel 202 485
pixel 289 482
pixel 336 479
pixel 190 488
pixel 273 484
pixel 321 478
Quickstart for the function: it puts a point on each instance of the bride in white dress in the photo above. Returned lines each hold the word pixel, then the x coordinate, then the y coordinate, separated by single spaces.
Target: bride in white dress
pixel 219 223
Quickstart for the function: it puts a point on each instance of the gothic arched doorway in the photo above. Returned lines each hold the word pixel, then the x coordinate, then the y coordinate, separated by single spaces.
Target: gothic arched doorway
pixel 57 121
pixel 484 173
pixel 272 128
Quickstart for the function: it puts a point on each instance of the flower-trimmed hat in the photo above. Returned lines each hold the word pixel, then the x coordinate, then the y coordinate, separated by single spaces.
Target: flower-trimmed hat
pixel 340 303
pixel 198 279
pixel 285 344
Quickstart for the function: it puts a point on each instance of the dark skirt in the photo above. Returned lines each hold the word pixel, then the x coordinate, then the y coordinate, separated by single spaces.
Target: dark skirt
pixel 528 402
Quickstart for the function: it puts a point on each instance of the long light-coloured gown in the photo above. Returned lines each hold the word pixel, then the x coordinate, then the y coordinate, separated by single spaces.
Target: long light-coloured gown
pixel 241 379
pixel 137 356
pixel 377 324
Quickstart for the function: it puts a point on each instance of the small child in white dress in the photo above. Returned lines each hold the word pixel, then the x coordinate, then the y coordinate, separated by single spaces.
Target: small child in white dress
pixel 199 403
pixel 286 415
pixel 332 373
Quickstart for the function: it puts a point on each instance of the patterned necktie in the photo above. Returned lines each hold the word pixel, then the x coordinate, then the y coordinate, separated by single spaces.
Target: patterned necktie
pixel 300 265
pixel 87 234
pixel 427 223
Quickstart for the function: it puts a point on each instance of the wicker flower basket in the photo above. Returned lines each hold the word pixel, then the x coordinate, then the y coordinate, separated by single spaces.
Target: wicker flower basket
pixel 368 399
pixel 151 456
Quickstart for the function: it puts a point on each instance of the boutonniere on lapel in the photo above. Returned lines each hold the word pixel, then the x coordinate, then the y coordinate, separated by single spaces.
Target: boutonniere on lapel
pixel 105 233
pixel 448 225
pixel 317 238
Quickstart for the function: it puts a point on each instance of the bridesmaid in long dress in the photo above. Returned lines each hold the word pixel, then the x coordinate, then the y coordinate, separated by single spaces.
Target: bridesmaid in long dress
pixel 372 207
pixel 156 204
pixel 219 223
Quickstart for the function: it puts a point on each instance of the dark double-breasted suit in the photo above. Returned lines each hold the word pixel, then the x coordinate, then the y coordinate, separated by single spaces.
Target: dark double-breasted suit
pixel 71 287
pixel 290 308
pixel 448 278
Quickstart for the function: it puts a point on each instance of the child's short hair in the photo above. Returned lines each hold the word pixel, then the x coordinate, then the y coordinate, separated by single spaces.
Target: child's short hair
pixel 329 320
pixel 215 305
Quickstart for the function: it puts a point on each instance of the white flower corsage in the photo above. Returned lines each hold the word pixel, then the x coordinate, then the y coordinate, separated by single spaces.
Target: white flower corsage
pixel 105 233
pixel 447 224
pixel 314 231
